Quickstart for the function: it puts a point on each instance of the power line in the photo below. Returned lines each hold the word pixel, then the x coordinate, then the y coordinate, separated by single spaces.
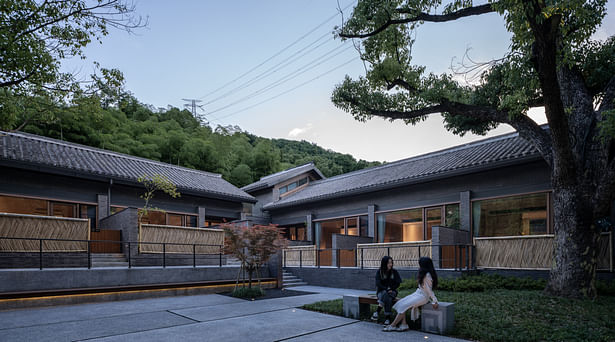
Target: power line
pixel 277 53
pixel 287 91
pixel 271 70
pixel 292 75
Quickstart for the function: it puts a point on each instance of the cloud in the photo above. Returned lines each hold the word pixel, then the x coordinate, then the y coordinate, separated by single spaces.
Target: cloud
pixel 295 132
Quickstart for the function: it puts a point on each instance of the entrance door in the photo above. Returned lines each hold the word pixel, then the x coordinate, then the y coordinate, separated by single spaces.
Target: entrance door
pixel 115 236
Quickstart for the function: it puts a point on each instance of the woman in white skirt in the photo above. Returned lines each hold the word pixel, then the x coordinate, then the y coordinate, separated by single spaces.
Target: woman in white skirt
pixel 427 280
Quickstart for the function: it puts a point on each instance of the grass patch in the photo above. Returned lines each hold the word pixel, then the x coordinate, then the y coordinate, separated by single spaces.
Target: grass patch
pixel 496 313
pixel 333 307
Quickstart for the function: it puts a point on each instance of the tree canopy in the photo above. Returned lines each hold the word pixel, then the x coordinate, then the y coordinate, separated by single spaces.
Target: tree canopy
pixel 552 63
pixel 174 136
pixel 35 36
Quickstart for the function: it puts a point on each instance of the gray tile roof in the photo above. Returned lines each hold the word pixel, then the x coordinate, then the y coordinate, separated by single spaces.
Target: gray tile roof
pixel 488 153
pixel 34 150
pixel 276 178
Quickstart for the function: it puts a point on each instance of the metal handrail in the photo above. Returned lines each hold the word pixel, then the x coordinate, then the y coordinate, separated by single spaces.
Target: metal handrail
pixel 127 243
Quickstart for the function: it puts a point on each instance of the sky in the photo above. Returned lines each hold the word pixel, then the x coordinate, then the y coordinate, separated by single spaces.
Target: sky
pixel 270 67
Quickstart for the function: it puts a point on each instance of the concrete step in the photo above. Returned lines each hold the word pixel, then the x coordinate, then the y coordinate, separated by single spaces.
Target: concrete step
pixel 294 281
pixel 290 278
pixel 295 284
pixel 110 264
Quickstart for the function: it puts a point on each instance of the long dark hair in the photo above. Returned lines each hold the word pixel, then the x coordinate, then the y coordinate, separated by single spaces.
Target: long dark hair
pixel 425 266
pixel 384 266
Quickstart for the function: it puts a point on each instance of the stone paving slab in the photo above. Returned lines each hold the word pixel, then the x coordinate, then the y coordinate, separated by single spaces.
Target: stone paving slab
pixel 31 317
pixel 365 331
pixel 216 312
pixel 269 326
pixel 297 301
pixel 78 330
pixel 332 290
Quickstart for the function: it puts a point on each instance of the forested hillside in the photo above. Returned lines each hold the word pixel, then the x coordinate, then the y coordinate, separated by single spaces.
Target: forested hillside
pixel 175 136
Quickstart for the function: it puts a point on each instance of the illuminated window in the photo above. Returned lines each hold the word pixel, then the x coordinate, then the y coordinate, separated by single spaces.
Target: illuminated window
pixel 510 216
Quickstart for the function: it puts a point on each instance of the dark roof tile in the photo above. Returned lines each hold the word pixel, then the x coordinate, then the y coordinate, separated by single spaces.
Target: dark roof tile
pixel 455 160
pixel 43 151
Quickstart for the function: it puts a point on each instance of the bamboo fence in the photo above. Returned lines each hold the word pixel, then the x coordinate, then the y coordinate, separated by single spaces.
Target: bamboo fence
pixel 530 252
pixel 294 253
pixel 181 235
pixel 404 254
pixel 43 227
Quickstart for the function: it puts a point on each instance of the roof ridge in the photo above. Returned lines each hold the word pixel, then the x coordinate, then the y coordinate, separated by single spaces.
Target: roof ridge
pixel 104 151
pixel 287 170
pixel 422 156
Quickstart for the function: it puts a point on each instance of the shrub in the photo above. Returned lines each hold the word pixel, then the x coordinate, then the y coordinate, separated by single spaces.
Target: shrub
pixel 248 292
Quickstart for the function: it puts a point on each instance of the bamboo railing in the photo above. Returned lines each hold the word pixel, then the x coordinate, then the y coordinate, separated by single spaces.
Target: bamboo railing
pixel 159 234
pixel 404 254
pixel 300 255
pixel 43 227
pixel 530 252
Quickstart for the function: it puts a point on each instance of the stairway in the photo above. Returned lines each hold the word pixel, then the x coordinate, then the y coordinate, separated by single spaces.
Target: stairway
pixel 109 260
pixel 290 280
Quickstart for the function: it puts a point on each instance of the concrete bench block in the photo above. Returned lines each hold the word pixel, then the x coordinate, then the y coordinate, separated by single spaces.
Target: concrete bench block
pixel 353 308
pixel 439 321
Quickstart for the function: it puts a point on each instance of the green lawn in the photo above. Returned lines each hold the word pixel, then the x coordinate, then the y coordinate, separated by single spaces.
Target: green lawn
pixel 519 315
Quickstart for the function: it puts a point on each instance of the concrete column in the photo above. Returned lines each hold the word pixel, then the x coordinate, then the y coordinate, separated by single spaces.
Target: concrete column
pixel 371 221
pixel 276 194
pixel 436 249
pixel 308 228
pixel 317 234
pixel 103 206
pixel 201 222
pixel 465 210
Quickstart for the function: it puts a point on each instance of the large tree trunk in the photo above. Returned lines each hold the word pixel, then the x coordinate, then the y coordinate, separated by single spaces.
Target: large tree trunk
pixel 575 244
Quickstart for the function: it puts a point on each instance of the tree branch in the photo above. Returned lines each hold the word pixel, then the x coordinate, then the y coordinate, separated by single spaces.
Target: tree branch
pixel 17 81
pixel 523 124
pixel 436 18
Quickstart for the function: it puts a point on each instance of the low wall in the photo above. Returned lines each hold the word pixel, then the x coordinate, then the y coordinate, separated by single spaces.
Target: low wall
pixel 300 255
pixel 404 254
pixel 353 278
pixel 53 279
pixel 43 227
pixel 531 252
pixel 181 235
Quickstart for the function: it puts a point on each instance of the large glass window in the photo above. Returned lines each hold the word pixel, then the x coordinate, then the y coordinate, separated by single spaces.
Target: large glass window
pixel 293 185
pixel 406 225
pixel 63 209
pixel 19 205
pixel 175 220
pixel 295 232
pixel 434 218
pixel 363 225
pixel 510 216
pixel 451 216
pixel 352 226
pixel 88 212
pixel 328 228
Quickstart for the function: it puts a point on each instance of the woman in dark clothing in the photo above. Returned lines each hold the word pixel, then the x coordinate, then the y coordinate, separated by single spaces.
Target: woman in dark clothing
pixel 387 282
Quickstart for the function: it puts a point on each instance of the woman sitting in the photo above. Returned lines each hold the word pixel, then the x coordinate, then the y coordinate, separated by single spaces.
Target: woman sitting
pixel 387 282
pixel 427 281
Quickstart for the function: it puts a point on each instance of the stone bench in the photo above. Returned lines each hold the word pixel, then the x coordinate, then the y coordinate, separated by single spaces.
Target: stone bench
pixel 438 321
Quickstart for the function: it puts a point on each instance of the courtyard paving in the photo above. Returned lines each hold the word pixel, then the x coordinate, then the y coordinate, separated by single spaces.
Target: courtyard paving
pixel 197 318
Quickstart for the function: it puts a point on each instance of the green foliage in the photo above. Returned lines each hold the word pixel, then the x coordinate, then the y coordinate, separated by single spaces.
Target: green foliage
pixel 35 36
pixel 248 292
pixel 518 315
pixel 152 184
pixel 333 307
pixel 173 136
pixel 395 88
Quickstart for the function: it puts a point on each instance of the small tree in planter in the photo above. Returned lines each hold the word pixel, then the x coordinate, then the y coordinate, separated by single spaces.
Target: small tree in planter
pixel 253 246
pixel 154 183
